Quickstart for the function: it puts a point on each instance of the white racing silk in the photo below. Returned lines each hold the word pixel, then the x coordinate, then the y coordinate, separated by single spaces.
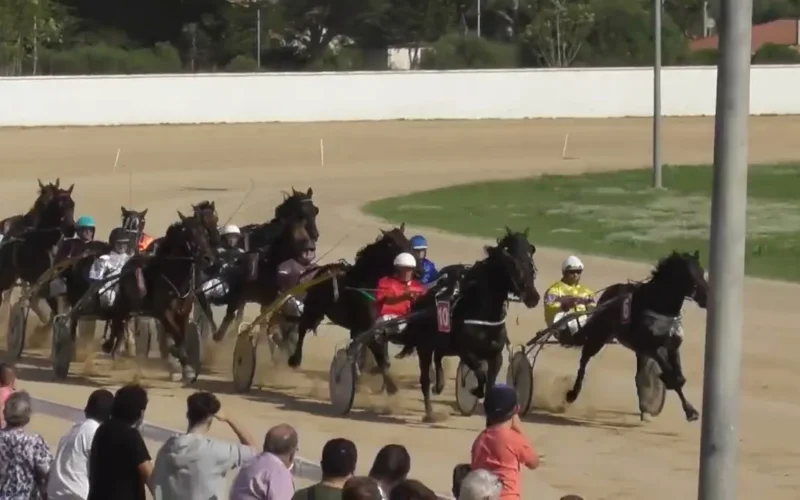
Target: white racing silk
pixel 107 266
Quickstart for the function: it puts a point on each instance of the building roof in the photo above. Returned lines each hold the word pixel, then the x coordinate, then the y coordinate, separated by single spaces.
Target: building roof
pixel 780 32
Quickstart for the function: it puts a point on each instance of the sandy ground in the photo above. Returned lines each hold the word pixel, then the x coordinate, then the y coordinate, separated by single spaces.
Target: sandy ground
pixel 596 448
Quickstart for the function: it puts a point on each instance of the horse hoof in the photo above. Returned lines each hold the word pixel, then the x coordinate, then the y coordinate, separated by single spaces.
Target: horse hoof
pixel 644 416
pixel 477 392
pixel 692 416
pixel 428 419
pixel 572 396
pixel 108 346
pixel 391 388
pixel 189 375
pixel 438 389
pixel 294 361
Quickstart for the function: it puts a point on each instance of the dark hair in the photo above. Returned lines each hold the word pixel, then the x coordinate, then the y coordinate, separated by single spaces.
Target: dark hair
pixel 130 402
pixel 99 404
pixel 281 440
pixel 571 497
pixel 411 489
pixel 392 464
pixel 201 406
pixel 339 457
pixel 460 471
pixel 361 488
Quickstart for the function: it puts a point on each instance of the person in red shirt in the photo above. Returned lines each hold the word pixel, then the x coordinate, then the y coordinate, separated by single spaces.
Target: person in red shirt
pixel 502 447
pixel 396 293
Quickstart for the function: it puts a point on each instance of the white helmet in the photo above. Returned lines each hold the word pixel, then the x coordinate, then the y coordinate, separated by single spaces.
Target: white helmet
pixel 572 264
pixel 405 260
pixel 230 229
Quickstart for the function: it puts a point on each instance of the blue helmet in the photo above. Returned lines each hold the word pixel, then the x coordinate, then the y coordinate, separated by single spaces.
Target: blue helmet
pixel 86 221
pixel 419 242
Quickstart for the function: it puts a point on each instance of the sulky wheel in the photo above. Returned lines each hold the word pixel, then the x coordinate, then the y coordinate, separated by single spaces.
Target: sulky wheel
pixel 651 389
pixel 466 382
pixel 520 377
pixel 17 322
pixel 63 345
pixel 342 382
pixel 244 360
pixel 194 346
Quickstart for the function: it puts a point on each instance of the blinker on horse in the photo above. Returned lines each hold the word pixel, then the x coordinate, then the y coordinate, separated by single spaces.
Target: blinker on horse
pixel 645 317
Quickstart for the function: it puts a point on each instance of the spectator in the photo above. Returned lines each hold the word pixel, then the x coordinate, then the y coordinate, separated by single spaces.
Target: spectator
pixel 269 476
pixel 502 447
pixel 571 497
pixel 119 463
pixel 8 379
pixel 460 471
pixel 392 465
pixel 411 489
pixel 193 466
pixel 69 477
pixel 480 485
pixel 339 457
pixel 25 458
pixel 361 488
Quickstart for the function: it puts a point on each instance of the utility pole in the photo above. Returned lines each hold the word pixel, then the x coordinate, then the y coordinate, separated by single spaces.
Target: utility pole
pixel 658 161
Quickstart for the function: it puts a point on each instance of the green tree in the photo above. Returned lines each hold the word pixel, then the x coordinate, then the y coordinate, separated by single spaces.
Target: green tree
pixel 559 30
pixel 25 27
pixel 416 23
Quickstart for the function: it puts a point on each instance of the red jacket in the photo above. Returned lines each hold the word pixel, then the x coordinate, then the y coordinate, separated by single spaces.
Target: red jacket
pixel 390 286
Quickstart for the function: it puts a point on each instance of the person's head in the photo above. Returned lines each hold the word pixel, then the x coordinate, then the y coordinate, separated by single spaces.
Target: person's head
pixel 8 375
pixel 480 484
pixel 230 236
pixel 99 405
pixel 392 465
pixel 18 410
pixel 411 489
pixel 130 402
pixel 85 228
pixel 571 497
pixel 201 408
pixel 307 252
pixel 571 270
pixel 419 247
pixel 119 240
pixel 500 404
pixel 361 488
pixel 404 265
pixel 339 457
pixel 460 471
pixel 282 442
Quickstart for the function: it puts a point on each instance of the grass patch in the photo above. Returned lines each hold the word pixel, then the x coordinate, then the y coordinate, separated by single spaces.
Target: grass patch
pixel 617 214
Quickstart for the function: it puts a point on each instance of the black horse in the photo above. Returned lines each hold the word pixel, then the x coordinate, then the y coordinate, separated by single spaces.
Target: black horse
pixel 134 222
pixel 252 277
pixel 645 318
pixel 17 224
pixel 349 300
pixel 205 212
pixel 27 256
pixel 475 306
pixel 163 285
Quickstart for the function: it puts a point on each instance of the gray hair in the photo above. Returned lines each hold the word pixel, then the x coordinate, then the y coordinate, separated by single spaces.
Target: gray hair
pixel 480 484
pixel 18 409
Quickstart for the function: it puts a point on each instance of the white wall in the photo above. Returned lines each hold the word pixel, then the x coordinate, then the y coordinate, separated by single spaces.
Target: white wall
pixel 305 97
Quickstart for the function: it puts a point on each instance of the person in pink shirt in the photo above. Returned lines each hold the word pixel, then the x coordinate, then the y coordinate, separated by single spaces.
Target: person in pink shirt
pixel 8 378
pixel 269 475
pixel 502 448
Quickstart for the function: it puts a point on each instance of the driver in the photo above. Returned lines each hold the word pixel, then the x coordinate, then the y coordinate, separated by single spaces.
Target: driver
pixel 292 272
pixel 396 293
pixel 569 296
pixel 85 229
pixel 217 288
pixel 110 265
pixel 427 269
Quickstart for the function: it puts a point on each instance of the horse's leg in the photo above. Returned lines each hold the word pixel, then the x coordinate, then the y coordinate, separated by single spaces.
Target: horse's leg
pixel 494 364
pixel 379 353
pixel 678 380
pixel 205 310
pixel 307 322
pixel 475 364
pixel 438 388
pixel 230 314
pixel 116 330
pixel 425 359
pixel 593 345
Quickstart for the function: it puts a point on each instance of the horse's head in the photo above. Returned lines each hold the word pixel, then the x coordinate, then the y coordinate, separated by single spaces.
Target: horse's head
pixel 299 206
pixel 684 273
pixel 379 256
pixel 133 221
pixel 188 238
pixel 59 211
pixel 514 253
pixel 206 212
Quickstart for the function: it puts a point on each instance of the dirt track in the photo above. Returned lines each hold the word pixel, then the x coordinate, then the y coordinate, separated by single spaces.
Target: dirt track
pixel 597 447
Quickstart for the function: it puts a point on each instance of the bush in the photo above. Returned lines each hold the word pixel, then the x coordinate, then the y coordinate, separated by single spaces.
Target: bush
pixel 771 53
pixel 102 59
pixel 455 51
pixel 703 57
pixel 242 64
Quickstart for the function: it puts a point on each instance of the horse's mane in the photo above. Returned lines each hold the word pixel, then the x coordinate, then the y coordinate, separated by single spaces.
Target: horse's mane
pixel 665 265
pixel 292 202
pixel 204 205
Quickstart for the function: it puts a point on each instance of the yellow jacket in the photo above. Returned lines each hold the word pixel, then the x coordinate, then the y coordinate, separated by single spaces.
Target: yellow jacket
pixel 559 289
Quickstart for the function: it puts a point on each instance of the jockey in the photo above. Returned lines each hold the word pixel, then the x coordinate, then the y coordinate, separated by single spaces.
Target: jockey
pixel 427 270
pixel 396 293
pixel 292 272
pixel 231 236
pixel 568 296
pixel 85 228
pixel 110 265
pixel 217 288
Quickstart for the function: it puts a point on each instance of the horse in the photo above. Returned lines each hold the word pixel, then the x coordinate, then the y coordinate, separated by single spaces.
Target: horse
pixel 206 213
pixel 133 222
pixel 645 318
pixel 252 278
pixel 348 301
pixel 162 286
pixel 28 255
pixel 476 309
pixel 16 224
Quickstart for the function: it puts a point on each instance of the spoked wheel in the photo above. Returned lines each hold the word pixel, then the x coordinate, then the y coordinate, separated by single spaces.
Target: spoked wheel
pixel 63 344
pixel 466 382
pixel 244 361
pixel 520 377
pixel 17 323
pixel 652 391
pixel 342 382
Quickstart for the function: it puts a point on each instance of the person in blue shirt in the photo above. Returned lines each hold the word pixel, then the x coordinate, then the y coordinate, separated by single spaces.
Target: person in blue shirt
pixel 425 268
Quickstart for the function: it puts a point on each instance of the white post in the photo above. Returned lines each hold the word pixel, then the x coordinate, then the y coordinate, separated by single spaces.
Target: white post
pixel 723 354
pixel 657 156
pixel 479 18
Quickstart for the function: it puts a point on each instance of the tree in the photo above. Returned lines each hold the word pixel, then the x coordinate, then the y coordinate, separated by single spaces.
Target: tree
pixel 25 26
pixel 559 30
pixel 415 23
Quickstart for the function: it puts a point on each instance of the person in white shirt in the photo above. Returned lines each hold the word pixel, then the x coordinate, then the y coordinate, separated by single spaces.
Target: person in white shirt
pixel 216 288
pixel 110 265
pixel 69 474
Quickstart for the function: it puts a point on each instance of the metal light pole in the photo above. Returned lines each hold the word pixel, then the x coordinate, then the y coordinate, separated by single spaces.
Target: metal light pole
pixel 723 355
pixel 258 37
pixel 479 18
pixel 657 159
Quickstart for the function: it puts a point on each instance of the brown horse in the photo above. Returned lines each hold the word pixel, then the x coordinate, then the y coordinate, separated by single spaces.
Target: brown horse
pixel 17 224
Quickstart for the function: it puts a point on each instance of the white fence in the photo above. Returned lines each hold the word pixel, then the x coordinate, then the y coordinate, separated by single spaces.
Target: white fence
pixel 415 95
